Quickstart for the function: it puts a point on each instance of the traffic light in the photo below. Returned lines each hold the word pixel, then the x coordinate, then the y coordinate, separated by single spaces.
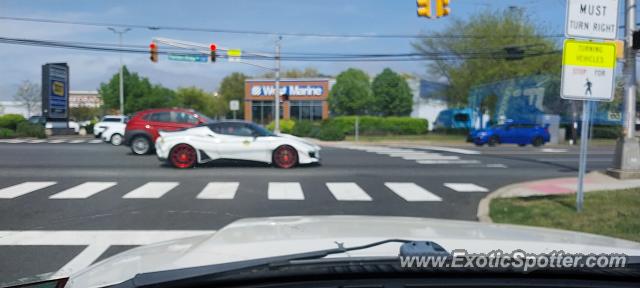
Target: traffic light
pixel 153 49
pixel 424 8
pixel 442 8
pixel 213 48
pixel 635 43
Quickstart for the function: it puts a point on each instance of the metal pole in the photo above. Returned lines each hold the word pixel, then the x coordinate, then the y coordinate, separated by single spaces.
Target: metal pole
pixel 357 128
pixel 277 91
pixel 121 68
pixel 630 72
pixel 584 138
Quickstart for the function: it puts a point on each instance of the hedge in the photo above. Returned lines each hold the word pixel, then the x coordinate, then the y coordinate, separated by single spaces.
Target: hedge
pixel 26 129
pixel 7 133
pixel 286 126
pixel 607 132
pixel 10 121
pixel 306 128
pixel 371 125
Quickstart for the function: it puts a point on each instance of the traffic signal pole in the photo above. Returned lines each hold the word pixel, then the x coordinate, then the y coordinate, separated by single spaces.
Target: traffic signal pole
pixel 626 163
pixel 121 67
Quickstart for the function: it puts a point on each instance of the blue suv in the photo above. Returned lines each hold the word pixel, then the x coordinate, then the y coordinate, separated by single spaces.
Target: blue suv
pixel 512 133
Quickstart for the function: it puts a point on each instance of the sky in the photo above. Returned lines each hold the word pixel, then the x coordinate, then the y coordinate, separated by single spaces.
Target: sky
pixel 89 69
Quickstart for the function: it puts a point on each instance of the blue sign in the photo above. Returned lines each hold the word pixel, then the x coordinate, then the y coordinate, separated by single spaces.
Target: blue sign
pixel 55 91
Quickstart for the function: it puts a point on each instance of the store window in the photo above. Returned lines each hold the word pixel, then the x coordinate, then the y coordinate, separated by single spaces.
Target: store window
pixel 306 110
pixel 262 112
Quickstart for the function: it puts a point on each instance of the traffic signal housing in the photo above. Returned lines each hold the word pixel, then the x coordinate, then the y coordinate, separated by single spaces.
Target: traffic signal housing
pixel 424 8
pixel 635 43
pixel 213 49
pixel 153 50
pixel 442 8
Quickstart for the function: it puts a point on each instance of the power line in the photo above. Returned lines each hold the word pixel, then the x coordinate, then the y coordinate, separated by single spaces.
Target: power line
pixel 257 32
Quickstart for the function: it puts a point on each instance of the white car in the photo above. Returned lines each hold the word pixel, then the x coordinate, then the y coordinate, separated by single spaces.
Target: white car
pixel 114 133
pixel 234 140
pixel 108 121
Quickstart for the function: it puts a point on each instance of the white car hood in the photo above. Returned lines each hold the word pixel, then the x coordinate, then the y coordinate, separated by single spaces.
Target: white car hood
pixel 301 140
pixel 265 237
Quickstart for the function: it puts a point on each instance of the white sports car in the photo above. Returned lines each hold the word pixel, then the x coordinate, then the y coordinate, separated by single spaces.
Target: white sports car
pixel 234 140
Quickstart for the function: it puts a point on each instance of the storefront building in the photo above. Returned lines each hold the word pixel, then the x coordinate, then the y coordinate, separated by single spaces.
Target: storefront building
pixel 303 99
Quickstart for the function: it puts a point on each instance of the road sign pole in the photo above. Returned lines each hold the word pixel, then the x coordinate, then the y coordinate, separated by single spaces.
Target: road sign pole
pixel 276 93
pixel 626 162
pixel 584 139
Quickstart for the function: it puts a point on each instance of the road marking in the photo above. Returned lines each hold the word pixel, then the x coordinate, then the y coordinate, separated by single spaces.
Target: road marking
pixel 347 191
pixel 82 260
pixel 448 149
pixel 466 187
pixel 552 150
pixel 430 157
pixel 151 190
pixel 285 191
pixel 82 191
pixel 219 190
pixel 448 161
pixel 23 188
pixel 95 141
pixel 12 141
pixel 56 141
pixel 411 192
pixel 37 141
pixel 77 141
pixel 496 166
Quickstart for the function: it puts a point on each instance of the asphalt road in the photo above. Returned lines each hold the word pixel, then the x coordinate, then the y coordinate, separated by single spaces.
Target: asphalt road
pixel 94 187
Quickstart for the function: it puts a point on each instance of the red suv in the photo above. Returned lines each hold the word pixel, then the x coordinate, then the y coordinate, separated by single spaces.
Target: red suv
pixel 142 129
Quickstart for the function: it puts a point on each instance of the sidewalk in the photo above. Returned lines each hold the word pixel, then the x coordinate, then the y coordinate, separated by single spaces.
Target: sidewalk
pixel 594 181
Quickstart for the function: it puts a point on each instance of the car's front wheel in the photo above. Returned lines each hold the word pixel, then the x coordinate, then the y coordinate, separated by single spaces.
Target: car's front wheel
pixel 116 139
pixel 285 157
pixel 493 141
pixel 537 142
pixel 140 145
pixel 183 156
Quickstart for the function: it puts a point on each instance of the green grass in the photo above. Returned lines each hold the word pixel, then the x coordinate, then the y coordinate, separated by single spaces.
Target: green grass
pixel 611 213
pixel 426 137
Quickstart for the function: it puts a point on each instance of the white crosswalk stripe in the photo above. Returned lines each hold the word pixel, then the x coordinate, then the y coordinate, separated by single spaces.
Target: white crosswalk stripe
pixel 219 190
pixel 37 141
pixel 96 141
pixel 285 191
pixel 411 192
pixel 466 187
pixel 77 141
pixel 347 191
pixel 23 188
pixel 84 190
pixel 448 162
pixel 56 141
pixel 151 190
pixel 420 156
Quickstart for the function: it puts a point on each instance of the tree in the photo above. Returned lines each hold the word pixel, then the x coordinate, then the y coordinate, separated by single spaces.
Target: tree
pixel 391 94
pixel 28 96
pixel 139 93
pixel 351 95
pixel 482 59
pixel 232 88
pixel 84 113
pixel 196 98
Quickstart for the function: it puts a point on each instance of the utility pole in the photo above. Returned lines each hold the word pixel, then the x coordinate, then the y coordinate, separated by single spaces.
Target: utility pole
pixel 120 32
pixel 627 158
pixel 276 111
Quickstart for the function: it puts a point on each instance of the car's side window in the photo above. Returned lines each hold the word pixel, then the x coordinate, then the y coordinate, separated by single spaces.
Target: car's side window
pixel 161 117
pixel 242 130
pixel 182 117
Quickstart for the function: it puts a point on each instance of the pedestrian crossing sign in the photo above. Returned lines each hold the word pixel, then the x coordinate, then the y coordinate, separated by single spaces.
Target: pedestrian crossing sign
pixel 588 70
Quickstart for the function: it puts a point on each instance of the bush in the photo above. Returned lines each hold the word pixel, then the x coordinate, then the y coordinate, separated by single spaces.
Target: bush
pixel 331 131
pixel 451 131
pixel 10 121
pixel 306 128
pixel 286 126
pixel 7 133
pixel 26 129
pixel 371 125
pixel 607 132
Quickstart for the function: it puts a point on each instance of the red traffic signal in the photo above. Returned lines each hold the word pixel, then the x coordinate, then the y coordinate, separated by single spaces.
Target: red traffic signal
pixel 213 48
pixel 153 50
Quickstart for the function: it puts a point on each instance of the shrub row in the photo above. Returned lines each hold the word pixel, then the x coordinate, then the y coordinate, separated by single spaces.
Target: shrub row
pixel 10 121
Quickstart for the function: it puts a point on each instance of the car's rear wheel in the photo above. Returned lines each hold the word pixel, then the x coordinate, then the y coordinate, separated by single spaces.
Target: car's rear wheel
pixel 522 144
pixel 493 141
pixel 116 139
pixel 537 142
pixel 285 157
pixel 140 145
pixel 183 156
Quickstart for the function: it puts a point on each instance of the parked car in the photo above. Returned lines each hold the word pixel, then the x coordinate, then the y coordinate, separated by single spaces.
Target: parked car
pixel 108 121
pixel 143 128
pixel 237 140
pixel 49 125
pixel 114 133
pixel 520 133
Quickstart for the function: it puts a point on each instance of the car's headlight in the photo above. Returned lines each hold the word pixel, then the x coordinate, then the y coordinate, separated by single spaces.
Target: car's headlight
pixel 482 134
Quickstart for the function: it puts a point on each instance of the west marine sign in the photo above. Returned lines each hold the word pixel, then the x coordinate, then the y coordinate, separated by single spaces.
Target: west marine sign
pixel 291 90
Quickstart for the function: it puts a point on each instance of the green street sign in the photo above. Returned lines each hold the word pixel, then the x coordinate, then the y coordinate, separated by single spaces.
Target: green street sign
pixel 189 58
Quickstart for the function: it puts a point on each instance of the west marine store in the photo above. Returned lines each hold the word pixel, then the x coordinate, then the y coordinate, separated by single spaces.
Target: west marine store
pixel 303 99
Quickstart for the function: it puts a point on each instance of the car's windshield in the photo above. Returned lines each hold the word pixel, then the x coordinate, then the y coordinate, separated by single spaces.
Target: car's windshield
pixel 288 126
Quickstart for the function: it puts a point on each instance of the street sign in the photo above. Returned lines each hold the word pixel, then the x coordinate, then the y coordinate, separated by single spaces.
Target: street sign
pixel 189 57
pixel 588 70
pixel 593 19
pixel 234 105
pixel 234 53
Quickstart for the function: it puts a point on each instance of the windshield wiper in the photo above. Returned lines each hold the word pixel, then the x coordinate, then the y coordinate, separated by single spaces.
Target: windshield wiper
pixel 170 277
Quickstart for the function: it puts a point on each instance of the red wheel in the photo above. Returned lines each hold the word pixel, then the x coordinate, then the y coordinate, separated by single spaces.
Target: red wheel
pixel 285 157
pixel 182 156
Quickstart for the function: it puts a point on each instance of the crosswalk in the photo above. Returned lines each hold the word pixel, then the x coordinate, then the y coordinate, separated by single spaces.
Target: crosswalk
pixel 418 156
pixel 51 141
pixel 340 191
